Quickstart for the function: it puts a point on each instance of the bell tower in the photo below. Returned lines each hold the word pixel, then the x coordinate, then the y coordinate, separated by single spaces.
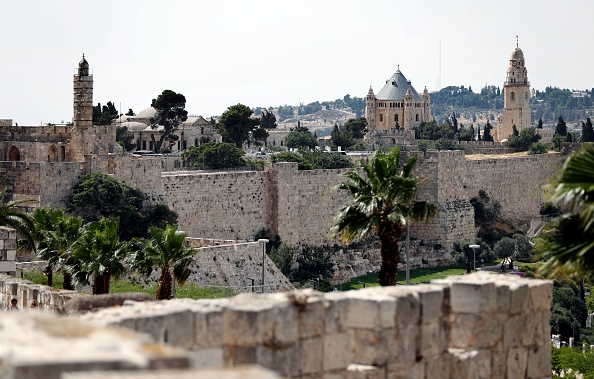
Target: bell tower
pixel 516 96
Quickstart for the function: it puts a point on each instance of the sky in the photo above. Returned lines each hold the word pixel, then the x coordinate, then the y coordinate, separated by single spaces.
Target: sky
pixel 280 52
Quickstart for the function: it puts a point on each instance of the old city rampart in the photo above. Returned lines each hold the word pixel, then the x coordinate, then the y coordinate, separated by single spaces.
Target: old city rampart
pixel 475 326
pixel 299 205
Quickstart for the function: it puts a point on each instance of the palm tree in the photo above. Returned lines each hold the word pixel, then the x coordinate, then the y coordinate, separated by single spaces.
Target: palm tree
pixel 571 246
pixel 12 217
pixel 99 254
pixel 382 203
pixel 56 233
pixel 166 251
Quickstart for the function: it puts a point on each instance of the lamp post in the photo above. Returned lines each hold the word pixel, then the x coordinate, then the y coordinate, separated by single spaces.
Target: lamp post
pixel 263 241
pixel 474 249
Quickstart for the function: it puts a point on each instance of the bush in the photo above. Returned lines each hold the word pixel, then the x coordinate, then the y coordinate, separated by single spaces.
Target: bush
pixel 538 148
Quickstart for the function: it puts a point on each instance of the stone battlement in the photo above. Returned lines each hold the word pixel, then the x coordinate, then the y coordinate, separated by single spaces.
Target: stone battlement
pixel 471 326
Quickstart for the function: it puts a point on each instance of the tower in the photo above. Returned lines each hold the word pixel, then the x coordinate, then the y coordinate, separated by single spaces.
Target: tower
pixel 516 96
pixel 82 134
pixel 83 95
pixel 370 107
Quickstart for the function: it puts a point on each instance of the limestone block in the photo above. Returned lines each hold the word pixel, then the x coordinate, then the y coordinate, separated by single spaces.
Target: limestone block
pixel 357 371
pixel 472 293
pixel 433 341
pixel 335 311
pixel 285 361
pixel 248 320
pixel 408 304
pixel 407 370
pixel 208 327
pixel 311 355
pixel 311 317
pixel 337 351
pixel 243 372
pixel 474 364
pixel 10 255
pixel 433 299
pixel 2 240
pixel 7 266
pixel 438 367
pixel 10 244
pixel 539 362
pixel 169 326
pixel 371 347
pixel 369 309
pixel 514 330
pixel 517 360
pixel 207 358
pixel 404 344
pixel 239 355
pixel 519 298
pixel 37 345
pixel 541 294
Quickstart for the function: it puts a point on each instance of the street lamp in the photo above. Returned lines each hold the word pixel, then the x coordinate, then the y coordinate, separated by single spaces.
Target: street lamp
pixel 474 249
pixel 263 241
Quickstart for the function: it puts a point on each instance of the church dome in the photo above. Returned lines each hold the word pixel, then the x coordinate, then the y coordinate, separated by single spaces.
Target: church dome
pixel 147 113
pixel 517 54
pixel 396 88
pixel 134 126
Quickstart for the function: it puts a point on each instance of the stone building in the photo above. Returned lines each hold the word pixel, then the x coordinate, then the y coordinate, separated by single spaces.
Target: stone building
pixel 191 133
pixel 396 106
pixel 516 97
pixel 61 143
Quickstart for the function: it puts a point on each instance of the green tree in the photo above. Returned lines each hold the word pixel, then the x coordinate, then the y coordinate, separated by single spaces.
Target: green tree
pixel 524 140
pixel 166 251
pixel 282 258
pixel 357 127
pixel 171 112
pixel 214 155
pixel 561 127
pixel 314 264
pixel 268 120
pixel 259 135
pixel 104 115
pixel 300 139
pixel 342 136
pixel 130 112
pixel 487 133
pixel 538 148
pixel 98 255
pixel 12 217
pixel 56 233
pixel 382 202
pixel 571 247
pixel 236 124
pixel 99 195
pixel 587 131
pixel 124 138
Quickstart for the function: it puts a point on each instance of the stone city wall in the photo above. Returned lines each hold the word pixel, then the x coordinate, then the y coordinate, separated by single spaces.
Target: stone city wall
pixel 473 326
pixel 8 247
pixel 48 299
pixel 518 182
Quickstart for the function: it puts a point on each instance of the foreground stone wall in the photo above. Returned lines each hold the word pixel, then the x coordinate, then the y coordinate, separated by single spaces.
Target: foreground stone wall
pixel 476 326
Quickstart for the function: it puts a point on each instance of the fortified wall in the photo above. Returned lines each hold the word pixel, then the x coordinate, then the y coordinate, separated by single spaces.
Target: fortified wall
pixel 471 326
pixel 300 205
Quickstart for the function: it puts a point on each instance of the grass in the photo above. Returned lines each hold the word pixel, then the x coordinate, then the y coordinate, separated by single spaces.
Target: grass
pixel 418 275
pixel 187 291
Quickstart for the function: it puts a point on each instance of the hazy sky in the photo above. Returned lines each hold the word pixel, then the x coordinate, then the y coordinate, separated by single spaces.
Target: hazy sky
pixel 270 53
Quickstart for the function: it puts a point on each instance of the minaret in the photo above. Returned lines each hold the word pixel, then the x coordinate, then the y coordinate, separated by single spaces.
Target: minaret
pixel 83 95
pixel 82 134
pixel 516 96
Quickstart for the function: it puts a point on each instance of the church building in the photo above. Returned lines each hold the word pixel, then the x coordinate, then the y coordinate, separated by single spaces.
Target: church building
pixel 516 97
pixel 396 106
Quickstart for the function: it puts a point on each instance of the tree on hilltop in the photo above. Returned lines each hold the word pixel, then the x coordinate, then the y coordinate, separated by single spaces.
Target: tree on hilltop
pixel 587 131
pixel 236 124
pixel 171 112
pixel 561 127
pixel 268 120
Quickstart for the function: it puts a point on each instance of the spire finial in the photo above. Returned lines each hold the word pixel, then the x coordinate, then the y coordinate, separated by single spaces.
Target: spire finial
pixel 399 67
pixel 83 55
pixel 517 41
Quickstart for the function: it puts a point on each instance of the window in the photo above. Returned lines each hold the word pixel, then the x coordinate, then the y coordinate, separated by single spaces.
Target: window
pixel 381 117
pixel 417 117
pixel 512 95
pixel 396 117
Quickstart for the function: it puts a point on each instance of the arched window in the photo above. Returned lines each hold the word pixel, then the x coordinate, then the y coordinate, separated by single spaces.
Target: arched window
pixel 381 117
pixel 52 154
pixel 14 154
pixel 417 117
pixel 396 117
